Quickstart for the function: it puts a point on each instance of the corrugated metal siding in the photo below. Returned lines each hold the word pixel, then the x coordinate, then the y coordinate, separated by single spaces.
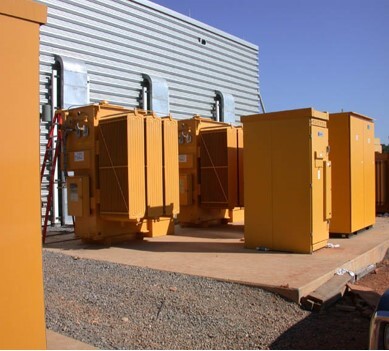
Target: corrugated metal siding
pixel 119 40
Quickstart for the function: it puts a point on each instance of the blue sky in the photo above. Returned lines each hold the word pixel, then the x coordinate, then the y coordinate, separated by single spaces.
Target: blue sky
pixel 330 55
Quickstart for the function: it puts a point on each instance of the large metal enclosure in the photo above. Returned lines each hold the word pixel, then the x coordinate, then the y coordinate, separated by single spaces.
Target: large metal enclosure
pixel 22 316
pixel 352 156
pixel 139 54
pixel 125 179
pixel 210 168
pixel 287 180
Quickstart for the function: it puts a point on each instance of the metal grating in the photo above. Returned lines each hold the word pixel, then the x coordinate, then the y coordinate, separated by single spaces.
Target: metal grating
pixel 170 166
pixel 214 168
pixel 153 169
pixel 113 167
pixel 382 182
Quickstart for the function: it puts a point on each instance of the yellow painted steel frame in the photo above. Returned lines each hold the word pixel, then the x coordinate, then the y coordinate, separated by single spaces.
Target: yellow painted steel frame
pixel 352 155
pixel 287 180
pixel 22 318
pixel 192 212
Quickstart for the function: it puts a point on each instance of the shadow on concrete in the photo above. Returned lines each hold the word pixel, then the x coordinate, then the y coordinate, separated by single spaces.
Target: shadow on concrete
pixel 168 243
pixel 159 246
pixel 187 247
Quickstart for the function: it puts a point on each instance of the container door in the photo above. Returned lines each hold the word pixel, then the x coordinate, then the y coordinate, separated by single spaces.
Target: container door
pixel 321 186
pixel 368 173
pixel 357 174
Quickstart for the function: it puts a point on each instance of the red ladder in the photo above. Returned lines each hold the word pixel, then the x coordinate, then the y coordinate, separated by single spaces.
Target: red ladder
pixel 57 121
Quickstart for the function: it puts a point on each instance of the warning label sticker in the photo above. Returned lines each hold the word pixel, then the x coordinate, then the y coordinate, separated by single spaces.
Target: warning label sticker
pixel 79 156
pixel 73 192
pixel 183 158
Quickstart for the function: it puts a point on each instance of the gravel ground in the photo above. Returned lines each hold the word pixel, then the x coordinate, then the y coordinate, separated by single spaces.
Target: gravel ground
pixel 113 306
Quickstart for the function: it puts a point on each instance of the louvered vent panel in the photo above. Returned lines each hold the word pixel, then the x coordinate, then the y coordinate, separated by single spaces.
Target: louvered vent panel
pixel 113 168
pixel 382 182
pixel 170 167
pixel 214 168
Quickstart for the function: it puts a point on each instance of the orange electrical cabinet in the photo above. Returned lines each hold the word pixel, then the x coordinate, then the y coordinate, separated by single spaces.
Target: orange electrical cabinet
pixel 351 138
pixel 78 196
pixel 130 159
pixel 83 143
pixel 287 180
pixel 209 171
pixel 382 182
pixel 22 312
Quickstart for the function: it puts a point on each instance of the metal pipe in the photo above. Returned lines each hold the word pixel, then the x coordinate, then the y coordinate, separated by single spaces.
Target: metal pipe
pixel 54 104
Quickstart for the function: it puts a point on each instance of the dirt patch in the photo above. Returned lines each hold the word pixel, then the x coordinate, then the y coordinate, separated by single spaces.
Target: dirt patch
pixel 378 280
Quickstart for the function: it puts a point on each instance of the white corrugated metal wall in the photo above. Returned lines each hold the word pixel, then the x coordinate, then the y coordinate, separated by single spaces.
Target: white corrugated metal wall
pixel 119 40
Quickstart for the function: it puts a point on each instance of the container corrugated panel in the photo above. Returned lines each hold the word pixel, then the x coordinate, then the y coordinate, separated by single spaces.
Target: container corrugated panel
pixel 119 40
pixel 113 167
pixel 218 167
pixel 170 167
pixel 382 182
pixel 153 166
pixel 240 168
pixel 136 166
pixel 121 166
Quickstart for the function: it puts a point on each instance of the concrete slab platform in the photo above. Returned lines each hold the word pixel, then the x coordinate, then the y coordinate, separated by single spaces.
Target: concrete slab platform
pixel 56 341
pixel 219 253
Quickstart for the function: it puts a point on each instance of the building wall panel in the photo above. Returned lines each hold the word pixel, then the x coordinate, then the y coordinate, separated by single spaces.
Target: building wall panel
pixel 120 40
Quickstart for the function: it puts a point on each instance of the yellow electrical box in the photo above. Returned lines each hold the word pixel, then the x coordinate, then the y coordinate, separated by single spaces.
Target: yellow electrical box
pixel 78 196
pixel 186 189
pixel 287 176
pixel 382 182
pixel 82 145
pixel 209 171
pixel 351 138
pixel 22 311
pixel 130 160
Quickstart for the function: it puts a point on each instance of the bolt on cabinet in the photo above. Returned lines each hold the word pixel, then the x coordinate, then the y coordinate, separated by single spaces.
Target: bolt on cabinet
pixel 287 180
pixel 353 161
